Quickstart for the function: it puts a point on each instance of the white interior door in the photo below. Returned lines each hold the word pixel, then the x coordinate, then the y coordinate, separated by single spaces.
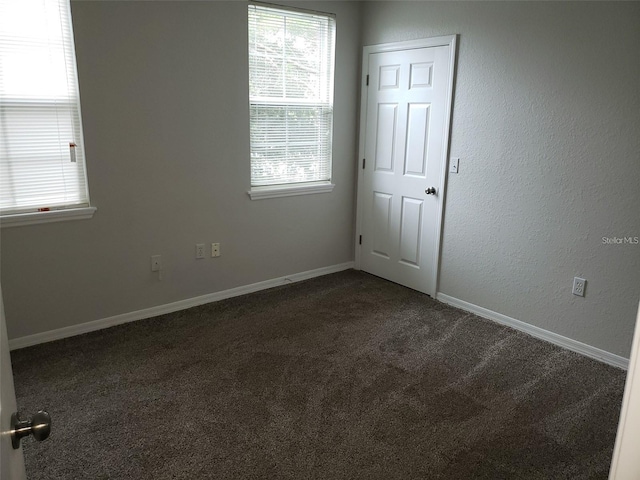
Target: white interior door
pixel 405 121
pixel 625 464
pixel 11 461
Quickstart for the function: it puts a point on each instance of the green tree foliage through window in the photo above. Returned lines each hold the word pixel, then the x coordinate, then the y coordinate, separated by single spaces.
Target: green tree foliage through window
pixel 291 60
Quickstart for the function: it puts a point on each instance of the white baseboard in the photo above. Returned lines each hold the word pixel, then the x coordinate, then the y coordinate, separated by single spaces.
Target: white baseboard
pixel 568 343
pixel 79 329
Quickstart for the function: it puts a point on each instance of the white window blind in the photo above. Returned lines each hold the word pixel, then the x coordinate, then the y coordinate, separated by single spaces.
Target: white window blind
pixel 291 64
pixel 41 146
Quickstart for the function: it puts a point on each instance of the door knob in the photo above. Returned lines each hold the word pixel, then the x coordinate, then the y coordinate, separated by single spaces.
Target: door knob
pixel 430 191
pixel 39 426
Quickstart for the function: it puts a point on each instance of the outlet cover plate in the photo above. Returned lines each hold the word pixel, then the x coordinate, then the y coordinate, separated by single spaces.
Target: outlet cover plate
pixel 579 286
pixel 156 263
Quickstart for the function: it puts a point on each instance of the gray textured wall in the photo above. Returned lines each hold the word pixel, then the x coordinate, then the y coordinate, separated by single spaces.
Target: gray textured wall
pixel 547 125
pixel 164 91
pixel 546 122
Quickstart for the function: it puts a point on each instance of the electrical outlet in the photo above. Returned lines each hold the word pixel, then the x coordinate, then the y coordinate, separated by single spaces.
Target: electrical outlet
pixel 200 250
pixel 579 285
pixel 156 263
pixel 215 249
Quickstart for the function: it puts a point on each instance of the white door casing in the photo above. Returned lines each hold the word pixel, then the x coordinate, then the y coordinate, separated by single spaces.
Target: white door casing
pixel 404 137
pixel 11 461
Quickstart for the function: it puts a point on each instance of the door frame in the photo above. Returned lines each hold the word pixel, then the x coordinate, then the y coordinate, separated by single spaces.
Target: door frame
pixel 442 41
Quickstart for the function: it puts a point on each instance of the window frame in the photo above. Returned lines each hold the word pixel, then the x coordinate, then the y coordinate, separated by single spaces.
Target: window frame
pixel 293 188
pixel 42 213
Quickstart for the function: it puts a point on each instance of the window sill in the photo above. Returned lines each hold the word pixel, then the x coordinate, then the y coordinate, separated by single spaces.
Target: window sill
pixel 22 219
pixel 261 193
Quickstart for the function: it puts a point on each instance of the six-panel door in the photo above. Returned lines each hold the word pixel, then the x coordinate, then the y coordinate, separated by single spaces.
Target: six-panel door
pixel 404 151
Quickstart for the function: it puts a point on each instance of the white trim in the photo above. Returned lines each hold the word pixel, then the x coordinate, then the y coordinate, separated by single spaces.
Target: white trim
pixel 260 193
pixel 87 327
pixel 291 9
pixel 34 218
pixel 442 41
pixel 444 162
pixel 541 333
pixel 361 146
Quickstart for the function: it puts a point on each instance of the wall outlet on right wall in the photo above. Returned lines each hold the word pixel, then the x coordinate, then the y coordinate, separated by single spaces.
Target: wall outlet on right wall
pixel 579 285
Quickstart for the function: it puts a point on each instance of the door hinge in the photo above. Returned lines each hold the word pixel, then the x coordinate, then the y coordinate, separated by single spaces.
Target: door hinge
pixel 360 240
pixel 367 80
pixel 363 162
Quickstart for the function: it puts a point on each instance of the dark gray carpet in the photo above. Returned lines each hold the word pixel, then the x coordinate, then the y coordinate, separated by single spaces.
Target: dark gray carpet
pixel 346 376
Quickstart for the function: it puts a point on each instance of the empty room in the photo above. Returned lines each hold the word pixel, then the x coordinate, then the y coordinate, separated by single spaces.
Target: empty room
pixel 318 239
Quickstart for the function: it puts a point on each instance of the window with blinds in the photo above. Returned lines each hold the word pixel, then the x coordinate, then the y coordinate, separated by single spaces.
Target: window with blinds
pixel 291 63
pixel 42 163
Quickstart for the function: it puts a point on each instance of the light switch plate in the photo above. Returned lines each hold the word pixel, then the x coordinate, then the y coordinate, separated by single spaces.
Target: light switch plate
pixel 454 165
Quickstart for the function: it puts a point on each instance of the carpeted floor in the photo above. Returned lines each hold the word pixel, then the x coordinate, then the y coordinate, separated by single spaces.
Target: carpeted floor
pixel 346 376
